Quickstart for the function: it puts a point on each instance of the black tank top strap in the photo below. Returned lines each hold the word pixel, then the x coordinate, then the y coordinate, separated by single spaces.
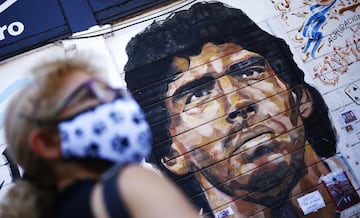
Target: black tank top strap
pixel 112 195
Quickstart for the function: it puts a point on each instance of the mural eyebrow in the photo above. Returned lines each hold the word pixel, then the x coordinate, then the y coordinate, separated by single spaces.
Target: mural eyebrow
pixel 252 61
pixel 188 87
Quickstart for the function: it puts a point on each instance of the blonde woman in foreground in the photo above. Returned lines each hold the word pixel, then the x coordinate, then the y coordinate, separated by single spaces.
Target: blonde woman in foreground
pixel 80 143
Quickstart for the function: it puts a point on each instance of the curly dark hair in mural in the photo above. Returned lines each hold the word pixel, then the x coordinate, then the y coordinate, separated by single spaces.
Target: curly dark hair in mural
pixel 184 36
pixel 150 69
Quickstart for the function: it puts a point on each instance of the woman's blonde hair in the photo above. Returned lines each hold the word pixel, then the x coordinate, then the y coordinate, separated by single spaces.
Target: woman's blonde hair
pixel 32 196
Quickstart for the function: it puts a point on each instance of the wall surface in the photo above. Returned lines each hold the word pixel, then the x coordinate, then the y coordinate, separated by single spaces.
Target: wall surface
pixel 247 124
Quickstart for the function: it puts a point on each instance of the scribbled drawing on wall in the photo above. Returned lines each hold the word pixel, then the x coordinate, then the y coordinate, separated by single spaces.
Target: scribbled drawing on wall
pixel 350 22
pixel 315 32
pixel 283 6
pixel 333 65
pixel 325 78
pixel 313 25
pixel 348 5
pixel 223 100
pixel 313 17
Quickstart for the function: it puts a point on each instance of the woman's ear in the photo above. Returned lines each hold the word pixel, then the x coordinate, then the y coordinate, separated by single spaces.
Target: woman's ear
pixel 176 162
pixel 45 144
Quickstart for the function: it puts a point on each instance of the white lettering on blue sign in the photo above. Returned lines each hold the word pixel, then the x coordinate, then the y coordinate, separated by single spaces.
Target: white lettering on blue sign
pixel 6 4
pixel 13 29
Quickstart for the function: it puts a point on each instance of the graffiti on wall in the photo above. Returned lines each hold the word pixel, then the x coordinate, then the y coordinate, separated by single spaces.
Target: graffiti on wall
pixel 283 6
pixel 333 65
pixel 235 124
pixel 325 30
pixel 314 23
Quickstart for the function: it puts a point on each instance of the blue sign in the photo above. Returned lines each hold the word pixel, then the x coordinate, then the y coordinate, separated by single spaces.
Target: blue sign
pixel 111 10
pixel 25 24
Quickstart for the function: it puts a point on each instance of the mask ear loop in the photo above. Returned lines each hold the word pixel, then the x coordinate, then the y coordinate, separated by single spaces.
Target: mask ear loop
pixel 38 121
pixel 70 97
pixel 56 111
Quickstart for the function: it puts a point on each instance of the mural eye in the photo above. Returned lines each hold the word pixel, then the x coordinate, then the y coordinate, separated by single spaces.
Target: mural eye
pixel 197 94
pixel 251 73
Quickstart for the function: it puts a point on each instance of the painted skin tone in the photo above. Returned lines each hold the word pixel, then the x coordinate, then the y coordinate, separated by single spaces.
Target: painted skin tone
pixel 236 120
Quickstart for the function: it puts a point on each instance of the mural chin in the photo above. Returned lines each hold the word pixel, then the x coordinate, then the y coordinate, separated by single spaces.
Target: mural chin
pixel 267 178
pixel 263 175
pixel 273 187
pixel 275 178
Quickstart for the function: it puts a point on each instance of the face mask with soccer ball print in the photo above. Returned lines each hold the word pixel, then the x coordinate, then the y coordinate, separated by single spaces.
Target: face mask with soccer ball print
pixel 114 131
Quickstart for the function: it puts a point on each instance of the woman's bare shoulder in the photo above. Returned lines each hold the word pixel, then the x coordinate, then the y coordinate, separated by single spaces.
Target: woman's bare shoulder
pixel 147 193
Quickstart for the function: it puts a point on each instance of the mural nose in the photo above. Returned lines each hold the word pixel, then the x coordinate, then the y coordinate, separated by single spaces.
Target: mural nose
pixel 243 112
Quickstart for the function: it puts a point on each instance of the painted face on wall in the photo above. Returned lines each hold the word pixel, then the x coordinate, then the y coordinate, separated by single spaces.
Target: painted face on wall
pixel 237 122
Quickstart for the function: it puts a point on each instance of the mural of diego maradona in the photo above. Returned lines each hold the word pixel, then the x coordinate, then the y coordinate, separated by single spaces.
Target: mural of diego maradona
pixel 233 120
